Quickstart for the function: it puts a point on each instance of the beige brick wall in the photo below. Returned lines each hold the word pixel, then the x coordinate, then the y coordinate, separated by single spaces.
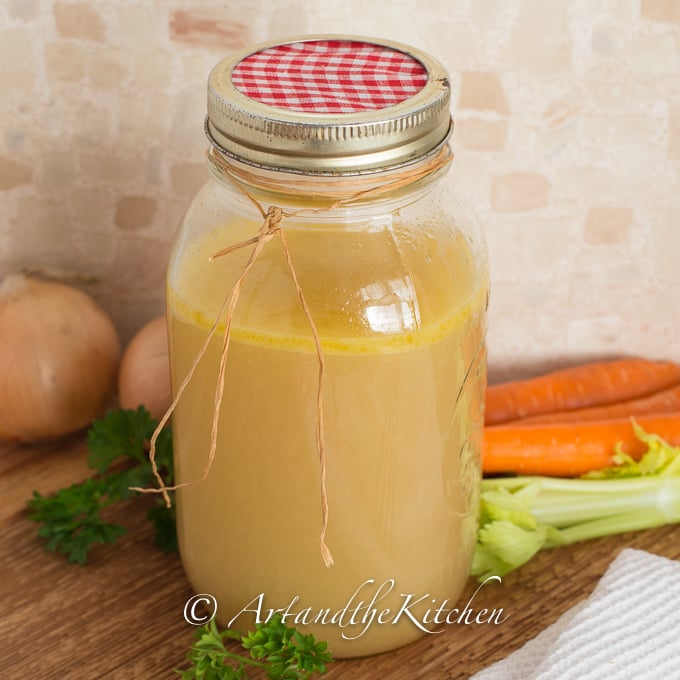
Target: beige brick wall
pixel 567 143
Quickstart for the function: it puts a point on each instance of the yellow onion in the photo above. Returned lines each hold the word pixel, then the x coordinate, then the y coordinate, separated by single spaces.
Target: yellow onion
pixel 144 377
pixel 59 356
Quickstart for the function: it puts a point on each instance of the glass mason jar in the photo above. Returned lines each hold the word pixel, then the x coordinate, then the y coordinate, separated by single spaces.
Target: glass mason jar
pixel 392 270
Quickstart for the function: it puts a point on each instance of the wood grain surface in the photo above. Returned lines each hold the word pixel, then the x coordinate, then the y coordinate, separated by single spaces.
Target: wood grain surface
pixel 120 616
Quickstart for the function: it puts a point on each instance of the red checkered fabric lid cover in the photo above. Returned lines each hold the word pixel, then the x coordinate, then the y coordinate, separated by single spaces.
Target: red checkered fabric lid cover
pixel 329 76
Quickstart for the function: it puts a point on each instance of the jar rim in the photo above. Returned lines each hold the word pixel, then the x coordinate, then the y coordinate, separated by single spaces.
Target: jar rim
pixel 306 141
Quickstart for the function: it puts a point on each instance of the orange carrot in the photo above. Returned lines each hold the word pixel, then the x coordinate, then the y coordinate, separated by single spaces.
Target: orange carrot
pixel 584 386
pixel 665 401
pixel 569 449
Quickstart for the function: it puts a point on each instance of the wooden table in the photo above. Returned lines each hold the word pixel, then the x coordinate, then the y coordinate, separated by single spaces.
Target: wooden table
pixel 121 616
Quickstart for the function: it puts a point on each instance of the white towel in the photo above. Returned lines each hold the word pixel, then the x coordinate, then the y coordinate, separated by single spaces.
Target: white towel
pixel 628 629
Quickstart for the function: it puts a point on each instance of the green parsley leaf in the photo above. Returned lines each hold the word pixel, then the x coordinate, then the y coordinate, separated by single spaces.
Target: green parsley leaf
pixel 120 434
pixel 165 526
pixel 71 520
pixel 281 651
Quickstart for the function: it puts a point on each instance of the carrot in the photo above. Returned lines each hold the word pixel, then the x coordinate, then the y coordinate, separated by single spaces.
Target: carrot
pixel 665 401
pixel 584 386
pixel 568 449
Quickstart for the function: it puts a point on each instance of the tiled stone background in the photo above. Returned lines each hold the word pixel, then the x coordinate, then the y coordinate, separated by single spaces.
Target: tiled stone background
pixel 567 143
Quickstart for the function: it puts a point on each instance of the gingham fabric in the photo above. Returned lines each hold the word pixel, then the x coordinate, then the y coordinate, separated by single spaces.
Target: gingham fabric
pixel 329 76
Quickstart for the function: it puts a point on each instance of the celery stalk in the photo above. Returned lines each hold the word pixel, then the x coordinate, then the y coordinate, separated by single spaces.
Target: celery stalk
pixel 521 515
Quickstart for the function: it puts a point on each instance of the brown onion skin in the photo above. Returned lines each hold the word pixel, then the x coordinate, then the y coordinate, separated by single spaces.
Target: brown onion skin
pixel 59 353
pixel 144 377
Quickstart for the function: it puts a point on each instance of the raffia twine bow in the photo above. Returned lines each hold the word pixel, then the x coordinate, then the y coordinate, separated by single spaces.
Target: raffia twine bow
pixel 272 218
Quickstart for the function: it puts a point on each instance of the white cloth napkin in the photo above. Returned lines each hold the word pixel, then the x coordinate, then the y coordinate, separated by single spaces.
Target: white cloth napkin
pixel 628 629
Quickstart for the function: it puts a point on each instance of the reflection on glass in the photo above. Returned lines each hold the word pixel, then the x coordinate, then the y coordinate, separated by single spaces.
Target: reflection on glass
pixel 392 306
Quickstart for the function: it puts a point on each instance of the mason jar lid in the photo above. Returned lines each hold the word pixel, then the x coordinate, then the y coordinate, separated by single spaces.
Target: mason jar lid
pixel 328 104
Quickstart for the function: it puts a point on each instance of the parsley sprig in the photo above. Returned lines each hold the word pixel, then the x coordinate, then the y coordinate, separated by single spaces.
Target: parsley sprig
pixel 282 652
pixel 72 520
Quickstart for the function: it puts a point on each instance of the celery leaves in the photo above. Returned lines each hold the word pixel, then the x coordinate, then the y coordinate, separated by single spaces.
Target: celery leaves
pixel 660 460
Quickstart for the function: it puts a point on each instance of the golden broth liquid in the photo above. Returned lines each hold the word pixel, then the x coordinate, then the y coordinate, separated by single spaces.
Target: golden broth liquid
pixel 400 314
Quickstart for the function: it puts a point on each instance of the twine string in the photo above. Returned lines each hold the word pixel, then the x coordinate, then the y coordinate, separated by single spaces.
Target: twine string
pixel 266 232
pixel 273 216
pixel 320 439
